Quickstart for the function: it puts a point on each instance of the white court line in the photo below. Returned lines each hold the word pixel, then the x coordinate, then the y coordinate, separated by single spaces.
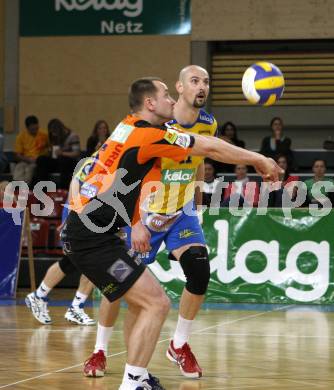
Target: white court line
pixel 266 335
pixel 242 318
pixel 238 387
pixel 159 342
pixel 91 329
pixel 306 383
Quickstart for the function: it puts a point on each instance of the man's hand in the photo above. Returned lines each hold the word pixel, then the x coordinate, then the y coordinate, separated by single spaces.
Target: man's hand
pixel 268 169
pixel 140 238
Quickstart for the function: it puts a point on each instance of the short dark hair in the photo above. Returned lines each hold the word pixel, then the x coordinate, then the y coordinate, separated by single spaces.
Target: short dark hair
pixel 319 159
pixel 31 120
pixel 139 89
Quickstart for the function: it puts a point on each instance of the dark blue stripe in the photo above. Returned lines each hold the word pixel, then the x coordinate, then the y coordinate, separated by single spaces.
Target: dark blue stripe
pixel 265 94
pixel 262 74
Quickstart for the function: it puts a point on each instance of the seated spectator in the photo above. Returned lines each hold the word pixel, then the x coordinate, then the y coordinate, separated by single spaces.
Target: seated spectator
pixel 29 145
pixel 210 186
pixel 277 144
pixel 65 154
pixel 99 135
pixel 241 190
pixel 3 159
pixel 287 182
pixel 315 195
pixel 228 133
pixel 3 185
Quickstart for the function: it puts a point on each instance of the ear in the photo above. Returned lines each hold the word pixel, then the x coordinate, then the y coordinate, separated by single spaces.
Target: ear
pixel 149 103
pixel 179 87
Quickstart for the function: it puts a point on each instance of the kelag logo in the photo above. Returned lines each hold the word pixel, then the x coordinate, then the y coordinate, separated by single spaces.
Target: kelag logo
pixel 129 8
pixel 275 262
pixel 182 176
pixel 104 17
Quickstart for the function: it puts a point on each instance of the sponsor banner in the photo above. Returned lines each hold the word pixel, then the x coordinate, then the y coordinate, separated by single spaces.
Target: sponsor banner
pixel 263 258
pixel 104 17
pixel 10 239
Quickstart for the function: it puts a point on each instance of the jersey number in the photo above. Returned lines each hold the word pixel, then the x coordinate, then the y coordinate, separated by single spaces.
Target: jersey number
pixel 187 161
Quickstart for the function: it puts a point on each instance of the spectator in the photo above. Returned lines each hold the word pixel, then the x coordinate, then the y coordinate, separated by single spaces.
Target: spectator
pixel 277 144
pixel 3 159
pixel 3 185
pixel 30 144
pixel 211 185
pixel 316 194
pixel 99 135
pixel 229 134
pixel 276 197
pixel 242 189
pixel 65 154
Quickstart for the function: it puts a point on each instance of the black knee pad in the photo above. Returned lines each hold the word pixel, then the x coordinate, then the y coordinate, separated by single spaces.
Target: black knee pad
pixel 196 267
pixel 66 266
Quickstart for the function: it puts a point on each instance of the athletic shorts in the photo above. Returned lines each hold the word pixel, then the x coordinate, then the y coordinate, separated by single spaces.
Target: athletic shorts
pixel 184 230
pixel 66 265
pixel 106 262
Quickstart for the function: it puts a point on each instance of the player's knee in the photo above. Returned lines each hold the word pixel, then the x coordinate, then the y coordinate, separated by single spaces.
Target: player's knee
pixel 66 265
pixel 159 304
pixel 165 305
pixel 196 267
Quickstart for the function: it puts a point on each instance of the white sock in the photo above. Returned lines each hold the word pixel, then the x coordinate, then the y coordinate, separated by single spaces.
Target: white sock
pixel 182 332
pixel 79 298
pixel 134 373
pixel 43 290
pixel 103 336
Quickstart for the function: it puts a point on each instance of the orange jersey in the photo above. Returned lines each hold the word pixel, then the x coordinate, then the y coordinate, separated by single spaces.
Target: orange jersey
pixel 108 185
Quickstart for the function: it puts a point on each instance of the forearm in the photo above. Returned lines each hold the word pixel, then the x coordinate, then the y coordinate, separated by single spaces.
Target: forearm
pixel 220 150
pixel 20 157
pixel 70 154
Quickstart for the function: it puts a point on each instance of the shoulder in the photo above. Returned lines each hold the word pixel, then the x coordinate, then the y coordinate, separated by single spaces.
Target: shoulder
pixel 21 134
pixel 42 133
pixel 72 137
pixel 206 118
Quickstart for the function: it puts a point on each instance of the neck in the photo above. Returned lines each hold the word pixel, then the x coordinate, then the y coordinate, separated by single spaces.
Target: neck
pixel 150 117
pixel 185 114
pixel 318 178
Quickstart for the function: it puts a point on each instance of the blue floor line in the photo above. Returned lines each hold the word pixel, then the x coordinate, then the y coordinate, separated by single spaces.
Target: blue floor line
pixel 206 306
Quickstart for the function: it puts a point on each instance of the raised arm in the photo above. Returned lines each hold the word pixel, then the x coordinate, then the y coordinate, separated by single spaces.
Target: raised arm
pixel 220 150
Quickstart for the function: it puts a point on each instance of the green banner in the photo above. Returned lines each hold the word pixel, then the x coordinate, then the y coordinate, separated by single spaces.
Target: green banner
pixel 268 258
pixel 104 17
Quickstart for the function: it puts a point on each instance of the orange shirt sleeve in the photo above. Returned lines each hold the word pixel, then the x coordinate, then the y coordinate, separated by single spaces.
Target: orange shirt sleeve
pixel 169 143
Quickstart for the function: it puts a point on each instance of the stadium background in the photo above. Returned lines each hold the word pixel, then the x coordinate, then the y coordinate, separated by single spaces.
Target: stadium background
pixel 81 78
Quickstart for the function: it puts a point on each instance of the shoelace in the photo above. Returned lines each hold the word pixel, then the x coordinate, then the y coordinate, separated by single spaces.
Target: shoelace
pixel 186 352
pixel 96 358
pixel 45 311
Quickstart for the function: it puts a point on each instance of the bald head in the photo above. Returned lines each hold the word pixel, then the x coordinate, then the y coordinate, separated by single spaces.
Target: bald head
pixel 187 71
pixel 193 86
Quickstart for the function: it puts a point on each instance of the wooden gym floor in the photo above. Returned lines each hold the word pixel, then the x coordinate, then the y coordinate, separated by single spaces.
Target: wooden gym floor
pixel 253 347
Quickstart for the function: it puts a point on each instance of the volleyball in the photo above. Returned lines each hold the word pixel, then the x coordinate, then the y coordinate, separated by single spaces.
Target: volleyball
pixel 263 84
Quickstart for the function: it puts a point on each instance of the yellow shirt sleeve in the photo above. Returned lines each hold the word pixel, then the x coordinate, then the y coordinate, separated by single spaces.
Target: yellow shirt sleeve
pixel 19 143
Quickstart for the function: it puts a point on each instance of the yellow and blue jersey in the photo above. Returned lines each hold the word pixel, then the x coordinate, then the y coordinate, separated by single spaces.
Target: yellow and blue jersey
pixel 179 177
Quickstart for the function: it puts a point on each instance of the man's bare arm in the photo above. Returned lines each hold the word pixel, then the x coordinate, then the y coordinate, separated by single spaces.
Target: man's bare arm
pixel 220 150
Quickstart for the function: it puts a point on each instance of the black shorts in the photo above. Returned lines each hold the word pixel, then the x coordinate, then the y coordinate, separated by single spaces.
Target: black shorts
pixel 107 262
pixel 67 266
